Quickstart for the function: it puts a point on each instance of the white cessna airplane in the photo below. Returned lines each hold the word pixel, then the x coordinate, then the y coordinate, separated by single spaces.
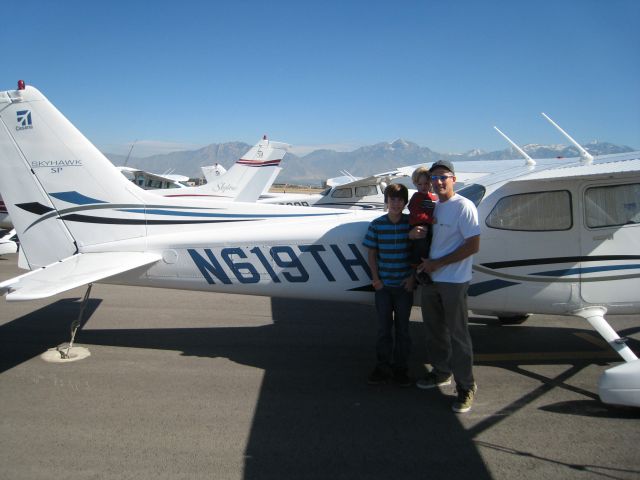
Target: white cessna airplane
pixel 358 193
pixel 247 179
pixel 560 241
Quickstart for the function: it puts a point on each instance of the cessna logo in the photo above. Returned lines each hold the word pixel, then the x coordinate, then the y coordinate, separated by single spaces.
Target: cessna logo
pixel 24 120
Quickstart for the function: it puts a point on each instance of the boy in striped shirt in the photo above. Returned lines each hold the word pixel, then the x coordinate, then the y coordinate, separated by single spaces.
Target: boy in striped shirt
pixel 393 281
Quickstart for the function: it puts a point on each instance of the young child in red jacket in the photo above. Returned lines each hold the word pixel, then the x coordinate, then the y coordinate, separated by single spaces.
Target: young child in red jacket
pixel 421 207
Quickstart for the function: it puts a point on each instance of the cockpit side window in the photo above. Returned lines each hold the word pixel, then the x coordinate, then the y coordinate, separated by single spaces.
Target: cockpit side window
pixel 473 192
pixel 366 190
pixel 533 212
pixel 342 193
pixel 612 205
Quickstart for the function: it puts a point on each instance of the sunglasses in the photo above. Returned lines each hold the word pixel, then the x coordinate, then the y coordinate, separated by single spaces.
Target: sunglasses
pixel 442 178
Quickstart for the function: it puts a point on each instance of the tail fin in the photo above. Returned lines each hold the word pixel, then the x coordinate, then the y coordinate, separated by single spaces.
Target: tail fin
pixel 212 171
pixel 49 172
pixel 246 180
pixel 257 169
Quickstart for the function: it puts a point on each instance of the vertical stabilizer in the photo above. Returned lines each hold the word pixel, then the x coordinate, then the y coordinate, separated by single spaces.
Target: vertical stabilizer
pixel 50 175
pixel 211 172
pixel 257 169
pixel 245 181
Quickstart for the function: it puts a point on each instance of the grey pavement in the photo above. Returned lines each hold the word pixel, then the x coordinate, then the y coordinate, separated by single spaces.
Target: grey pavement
pixel 189 385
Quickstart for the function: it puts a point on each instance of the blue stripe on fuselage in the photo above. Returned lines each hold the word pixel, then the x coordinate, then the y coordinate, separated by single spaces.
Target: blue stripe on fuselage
pixel 233 215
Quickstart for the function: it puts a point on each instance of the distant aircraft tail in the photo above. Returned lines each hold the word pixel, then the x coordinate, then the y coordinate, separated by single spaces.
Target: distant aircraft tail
pixel 256 171
pixel 246 180
pixel 212 171
pixel 56 184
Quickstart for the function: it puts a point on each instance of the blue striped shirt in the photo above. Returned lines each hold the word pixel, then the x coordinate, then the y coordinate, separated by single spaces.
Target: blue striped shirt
pixel 391 240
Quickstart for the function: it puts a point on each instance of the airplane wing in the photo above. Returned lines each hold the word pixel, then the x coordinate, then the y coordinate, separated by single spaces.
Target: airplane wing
pixel 72 272
pixel 606 166
pixel 374 179
pixel 339 181
pixel 465 172
pixel 153 180
pixel 384 177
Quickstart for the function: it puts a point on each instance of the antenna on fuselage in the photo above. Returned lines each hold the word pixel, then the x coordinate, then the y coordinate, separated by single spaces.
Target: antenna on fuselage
pixel 530 161
pixel 129 154
pixel 584 155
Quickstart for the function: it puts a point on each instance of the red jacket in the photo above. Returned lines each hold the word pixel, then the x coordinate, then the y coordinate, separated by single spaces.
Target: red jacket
pixel 421 208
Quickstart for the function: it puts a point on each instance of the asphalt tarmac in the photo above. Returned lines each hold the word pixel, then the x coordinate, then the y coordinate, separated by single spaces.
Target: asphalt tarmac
pixel 188 385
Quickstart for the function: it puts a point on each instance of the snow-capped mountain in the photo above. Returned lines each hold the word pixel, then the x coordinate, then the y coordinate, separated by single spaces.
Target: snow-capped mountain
pixel 315 167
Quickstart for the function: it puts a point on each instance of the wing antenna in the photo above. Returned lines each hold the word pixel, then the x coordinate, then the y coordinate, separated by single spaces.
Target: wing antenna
pixel 129 154
pixel 584 155
pixel 530 161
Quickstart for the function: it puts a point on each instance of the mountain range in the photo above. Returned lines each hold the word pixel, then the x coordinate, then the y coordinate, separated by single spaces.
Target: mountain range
pixel 317 166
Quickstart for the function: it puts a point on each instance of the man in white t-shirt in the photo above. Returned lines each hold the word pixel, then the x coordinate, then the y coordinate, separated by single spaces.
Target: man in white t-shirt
pixel 456 237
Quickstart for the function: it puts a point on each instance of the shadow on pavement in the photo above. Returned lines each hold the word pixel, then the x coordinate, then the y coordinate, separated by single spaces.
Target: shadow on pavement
pixel 592 408
pixel 29 336
pixel 316 417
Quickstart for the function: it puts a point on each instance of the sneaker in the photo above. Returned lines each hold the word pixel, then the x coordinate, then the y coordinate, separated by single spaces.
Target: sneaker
pixel 379 376
pixel 402 379
pixel 465 399
pixel 432 380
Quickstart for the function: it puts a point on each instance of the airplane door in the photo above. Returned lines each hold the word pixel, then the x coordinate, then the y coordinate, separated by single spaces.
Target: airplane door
pixel 528 243
pixel 610 241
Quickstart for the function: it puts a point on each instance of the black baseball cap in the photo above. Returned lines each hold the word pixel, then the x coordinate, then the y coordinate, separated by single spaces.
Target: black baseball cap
pixel 443 164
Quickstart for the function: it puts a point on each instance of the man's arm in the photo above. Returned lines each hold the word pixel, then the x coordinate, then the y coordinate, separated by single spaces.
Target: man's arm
pixel 470 247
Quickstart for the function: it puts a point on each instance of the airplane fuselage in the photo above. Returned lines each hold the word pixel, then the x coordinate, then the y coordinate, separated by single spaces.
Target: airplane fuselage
pixel 550 255
pixel 563 255
pixel 557 237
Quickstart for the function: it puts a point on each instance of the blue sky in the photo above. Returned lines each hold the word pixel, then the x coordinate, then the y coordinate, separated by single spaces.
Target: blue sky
pixel 336 73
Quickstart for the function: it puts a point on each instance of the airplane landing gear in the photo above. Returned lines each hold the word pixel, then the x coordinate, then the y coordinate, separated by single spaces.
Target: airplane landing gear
pixel 619 385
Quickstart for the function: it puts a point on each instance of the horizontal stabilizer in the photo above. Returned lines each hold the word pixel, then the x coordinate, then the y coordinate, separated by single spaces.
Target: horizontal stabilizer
pixel 72 272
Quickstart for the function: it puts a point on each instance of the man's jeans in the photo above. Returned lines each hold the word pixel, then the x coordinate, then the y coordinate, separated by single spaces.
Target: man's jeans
pixel 393 305
pixel 449 347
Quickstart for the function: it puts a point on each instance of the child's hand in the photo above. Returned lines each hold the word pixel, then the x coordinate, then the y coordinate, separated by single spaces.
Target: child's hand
pixel 418 232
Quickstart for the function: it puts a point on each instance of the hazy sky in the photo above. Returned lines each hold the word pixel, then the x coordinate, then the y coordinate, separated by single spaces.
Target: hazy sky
pixel 338 73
